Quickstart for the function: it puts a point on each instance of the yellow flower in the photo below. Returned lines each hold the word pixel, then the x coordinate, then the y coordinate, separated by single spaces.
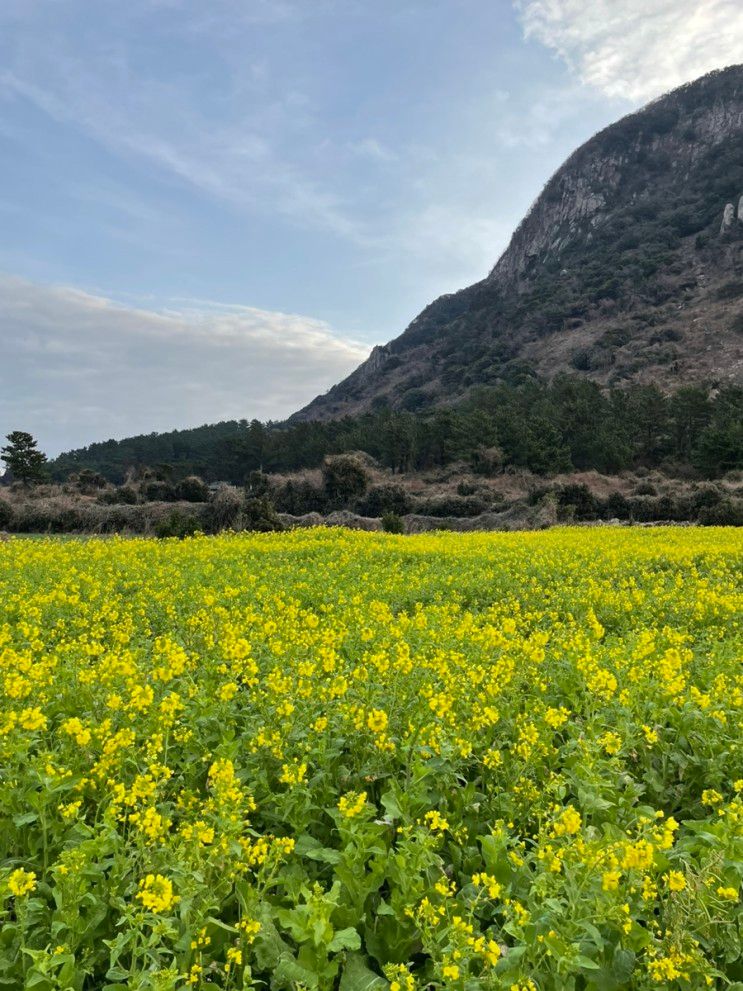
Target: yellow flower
pixel 293 774
pixel 377 720
pixel 488 882
pixel 610 880
pixel 728 894
pixel 711 797
pixel 492 952
pixel 569 822
pixel 611 742
pixel 156 893
pixel 638 855
pixel 21 882
pixel 249 928
pixel 32 719
pixel 228 691
pixel 70 810
pixel 352 803
pixel 676 881
pixel 651 735
pixel 556 717
pixel 435 821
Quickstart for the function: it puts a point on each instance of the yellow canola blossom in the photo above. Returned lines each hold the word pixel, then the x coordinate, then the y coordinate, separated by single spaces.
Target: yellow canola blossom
pixel 477 761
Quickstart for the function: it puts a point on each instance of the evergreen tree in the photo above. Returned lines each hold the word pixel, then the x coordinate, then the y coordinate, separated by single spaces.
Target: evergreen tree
pixel 23 459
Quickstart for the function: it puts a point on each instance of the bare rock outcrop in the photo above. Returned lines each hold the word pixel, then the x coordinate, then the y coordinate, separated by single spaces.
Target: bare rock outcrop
pixel 728 216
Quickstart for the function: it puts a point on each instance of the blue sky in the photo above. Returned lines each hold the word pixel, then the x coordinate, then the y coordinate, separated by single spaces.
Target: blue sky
pixel 214 210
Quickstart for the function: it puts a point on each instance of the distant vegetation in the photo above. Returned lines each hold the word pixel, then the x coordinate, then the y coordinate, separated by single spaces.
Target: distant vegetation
pixel 569 424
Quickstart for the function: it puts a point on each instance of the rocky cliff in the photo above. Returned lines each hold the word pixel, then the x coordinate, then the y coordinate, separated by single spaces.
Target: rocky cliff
pixel 628 267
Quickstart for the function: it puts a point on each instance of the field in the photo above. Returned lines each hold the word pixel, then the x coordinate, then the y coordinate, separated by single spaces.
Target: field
pixel 328 759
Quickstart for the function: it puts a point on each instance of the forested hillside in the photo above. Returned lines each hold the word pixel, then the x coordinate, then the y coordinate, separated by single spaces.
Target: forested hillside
pixel 570 423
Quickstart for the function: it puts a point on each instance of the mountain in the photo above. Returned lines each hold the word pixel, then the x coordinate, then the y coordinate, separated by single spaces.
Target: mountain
pixel 628 268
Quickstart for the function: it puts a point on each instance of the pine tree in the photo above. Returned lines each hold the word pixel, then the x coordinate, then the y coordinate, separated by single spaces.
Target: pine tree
pixel 23 459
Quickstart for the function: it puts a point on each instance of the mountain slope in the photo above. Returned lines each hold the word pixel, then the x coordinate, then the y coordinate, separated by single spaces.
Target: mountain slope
pixel 628 268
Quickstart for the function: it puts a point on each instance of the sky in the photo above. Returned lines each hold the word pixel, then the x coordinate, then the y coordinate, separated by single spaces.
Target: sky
pixel 214 210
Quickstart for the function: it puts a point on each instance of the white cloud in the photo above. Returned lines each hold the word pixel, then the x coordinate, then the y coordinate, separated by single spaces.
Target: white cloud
pixel 79 367
pixel 637 49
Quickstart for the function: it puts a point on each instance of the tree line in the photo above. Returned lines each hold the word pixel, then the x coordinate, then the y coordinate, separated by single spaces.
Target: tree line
pixel 568 424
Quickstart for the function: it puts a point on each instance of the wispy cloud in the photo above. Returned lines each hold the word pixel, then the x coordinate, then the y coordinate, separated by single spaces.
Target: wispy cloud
pixel 635 50
pixel 79 367
pixel 224 160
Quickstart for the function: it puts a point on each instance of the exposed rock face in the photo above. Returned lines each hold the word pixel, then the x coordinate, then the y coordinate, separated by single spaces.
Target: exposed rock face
pixel 618 271
pixel 592 178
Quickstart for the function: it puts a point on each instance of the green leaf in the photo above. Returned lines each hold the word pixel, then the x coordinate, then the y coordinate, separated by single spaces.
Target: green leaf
pixel 25 818
pixel 345 939
pixel 357 976
pixel 308 846
pixel 117 974
pixel 391 805
pixel 288 973
pixel 586 963
pixel 268 947
pixel 622 965
pixel 35 979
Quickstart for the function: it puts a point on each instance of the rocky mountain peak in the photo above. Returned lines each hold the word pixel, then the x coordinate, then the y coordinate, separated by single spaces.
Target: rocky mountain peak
pixel 627 268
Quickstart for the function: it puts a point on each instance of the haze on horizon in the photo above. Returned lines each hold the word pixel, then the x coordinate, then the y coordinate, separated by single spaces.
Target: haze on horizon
pixel 214 213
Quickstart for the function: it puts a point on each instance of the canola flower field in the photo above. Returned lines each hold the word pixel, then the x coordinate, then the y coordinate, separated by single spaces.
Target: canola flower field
pixel 341 760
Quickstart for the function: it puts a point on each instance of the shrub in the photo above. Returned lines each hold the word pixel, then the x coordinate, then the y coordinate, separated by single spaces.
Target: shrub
pixel 646 488
pixel 487 460
pixel 538 493
pixel 392 523
pixel 465 488
pixel 616 506
pixel 192 489
pixel 177 524
pixel 127 495
pixel 299 497
pixel 580 499
pixel 225 507
pixel 344 478
pixel 381 499
pixel 451 505
pixel 727 512
pixel 158 490
pixel 260 514
pixel 645 509
pixel 6 515
pixel 122 495
pixel 258 483
pixel 88 480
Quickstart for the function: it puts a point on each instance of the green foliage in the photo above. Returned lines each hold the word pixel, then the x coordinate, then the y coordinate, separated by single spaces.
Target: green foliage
pixel 336 761
pixel 177 524
pixel 344 478
pixel 23 459
pixel 381 499
pixel 727 512
pixel 579 500
pixel 225 509
pixel 392 523
pixel 259 514
pixel 6 515
pixel 567 424
pixel 192 489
